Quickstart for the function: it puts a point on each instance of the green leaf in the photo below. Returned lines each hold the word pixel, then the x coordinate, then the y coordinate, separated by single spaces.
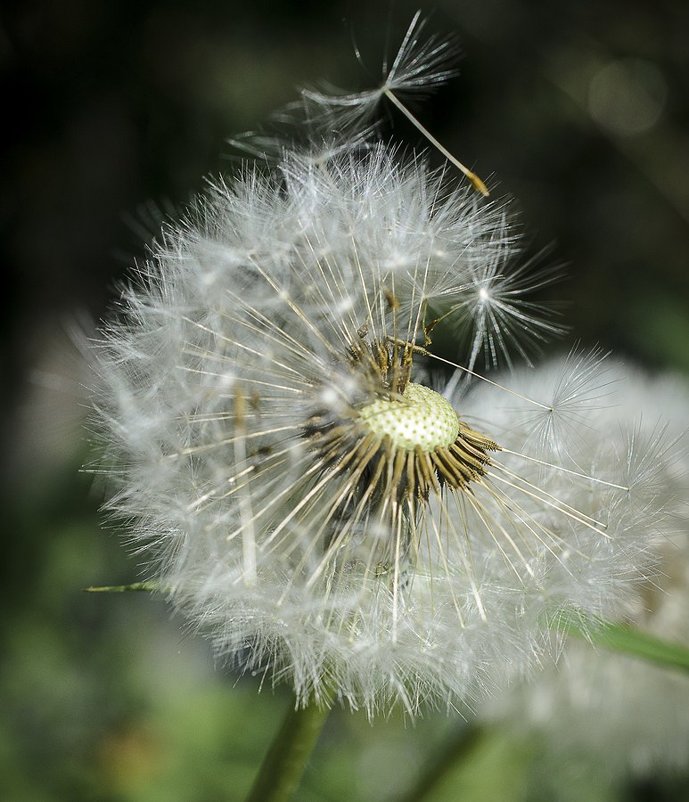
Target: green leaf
pixel 626 640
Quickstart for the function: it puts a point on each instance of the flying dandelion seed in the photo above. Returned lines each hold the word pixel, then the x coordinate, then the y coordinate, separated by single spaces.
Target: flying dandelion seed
pixel 304 481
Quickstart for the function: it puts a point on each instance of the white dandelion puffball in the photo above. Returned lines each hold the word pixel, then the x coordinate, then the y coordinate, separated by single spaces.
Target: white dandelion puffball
pixel 609 713
pixel 303 490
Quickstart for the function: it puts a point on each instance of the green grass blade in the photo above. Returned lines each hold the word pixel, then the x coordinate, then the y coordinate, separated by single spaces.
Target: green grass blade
pixel 149 587
pixel 626 640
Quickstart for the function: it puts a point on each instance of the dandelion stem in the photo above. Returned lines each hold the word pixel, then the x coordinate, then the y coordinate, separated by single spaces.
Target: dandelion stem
pixel 284 764
pixel 456 750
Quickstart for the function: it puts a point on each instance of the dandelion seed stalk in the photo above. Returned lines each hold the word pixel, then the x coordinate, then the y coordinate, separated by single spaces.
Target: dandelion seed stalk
pixel 287 756
pixel 458 749
pixel 475 180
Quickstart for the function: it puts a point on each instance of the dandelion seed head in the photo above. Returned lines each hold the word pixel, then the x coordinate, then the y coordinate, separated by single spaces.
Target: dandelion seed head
pixel 620 716
pixel 299 474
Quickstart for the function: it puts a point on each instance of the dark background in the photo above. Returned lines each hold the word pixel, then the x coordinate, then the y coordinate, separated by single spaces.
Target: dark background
pixel 112 113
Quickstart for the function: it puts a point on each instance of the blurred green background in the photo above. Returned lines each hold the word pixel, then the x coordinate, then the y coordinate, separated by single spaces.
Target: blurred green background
pixel 112 114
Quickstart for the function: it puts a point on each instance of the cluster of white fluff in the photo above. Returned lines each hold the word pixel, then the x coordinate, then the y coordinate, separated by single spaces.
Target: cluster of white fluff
pixel 236 402
pixel 612 714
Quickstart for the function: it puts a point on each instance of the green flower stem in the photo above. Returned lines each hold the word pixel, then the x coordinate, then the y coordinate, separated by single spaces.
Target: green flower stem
pixel 456 750
pixel 286 760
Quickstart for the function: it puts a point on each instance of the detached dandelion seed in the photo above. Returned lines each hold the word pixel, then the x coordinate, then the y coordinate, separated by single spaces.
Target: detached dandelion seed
pixel 419 66
pixel 303 477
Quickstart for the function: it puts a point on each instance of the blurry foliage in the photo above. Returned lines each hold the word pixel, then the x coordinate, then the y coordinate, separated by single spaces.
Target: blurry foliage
pixel 113 112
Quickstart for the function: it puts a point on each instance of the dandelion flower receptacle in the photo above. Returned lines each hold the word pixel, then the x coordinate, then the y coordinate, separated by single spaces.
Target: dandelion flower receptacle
pixel 309 494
